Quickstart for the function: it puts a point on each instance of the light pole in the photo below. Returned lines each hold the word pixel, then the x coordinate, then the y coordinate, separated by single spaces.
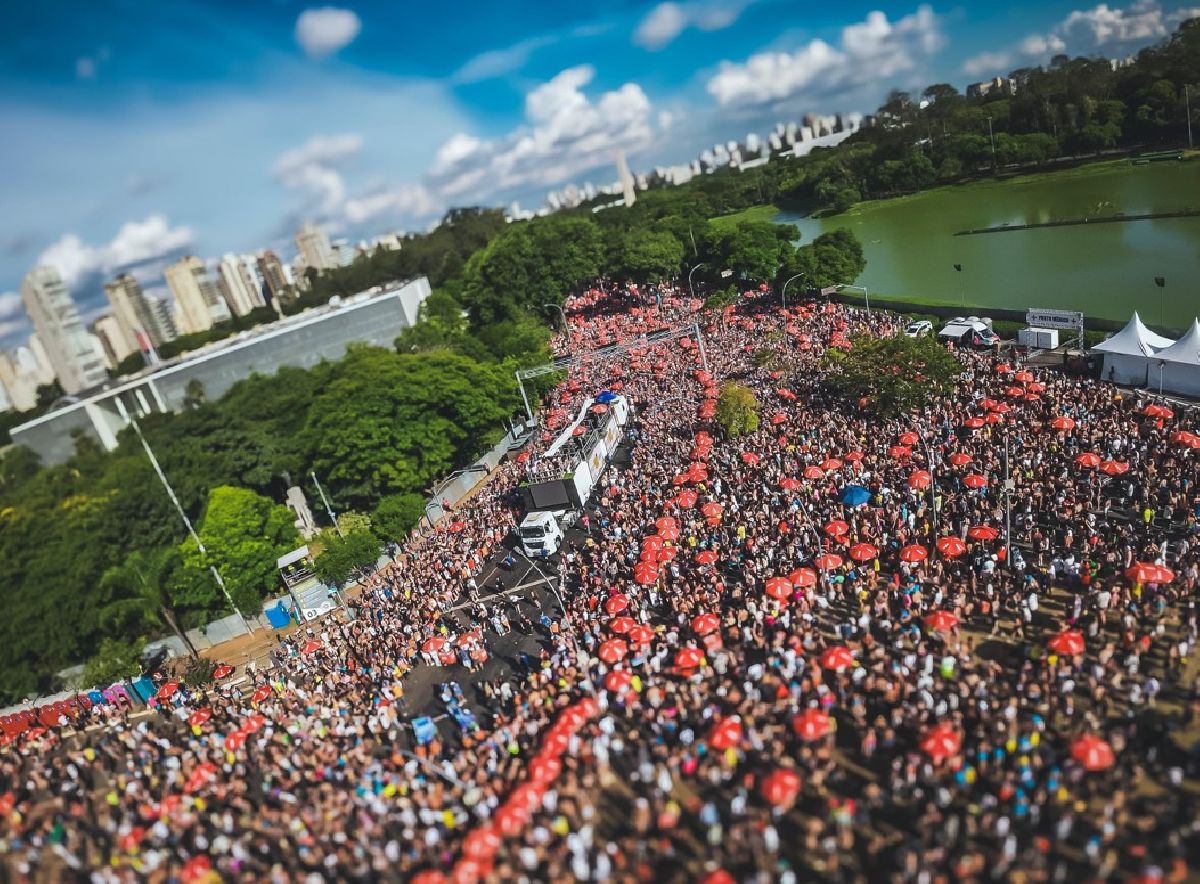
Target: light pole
pixel 1161 364
pixel 562 314
pixel 1008 552
pixel 1161 282
pixel 325 500
pixel 866 294
pixel 187 523
pixel 992 141
pixel 1187 103
pixel 962 294
pixel 783 295
pixel 692 291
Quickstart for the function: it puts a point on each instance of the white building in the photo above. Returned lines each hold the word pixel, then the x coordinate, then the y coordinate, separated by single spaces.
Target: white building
pixel 113 341
pixel 60 330
pixel 164 323
pixel 240 285
pixel 314 247
pixel 131 311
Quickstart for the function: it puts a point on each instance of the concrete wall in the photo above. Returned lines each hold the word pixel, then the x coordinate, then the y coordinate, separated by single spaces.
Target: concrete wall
pixel 300 341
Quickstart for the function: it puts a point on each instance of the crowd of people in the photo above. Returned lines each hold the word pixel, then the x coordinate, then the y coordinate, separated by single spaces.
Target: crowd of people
pixel 832 648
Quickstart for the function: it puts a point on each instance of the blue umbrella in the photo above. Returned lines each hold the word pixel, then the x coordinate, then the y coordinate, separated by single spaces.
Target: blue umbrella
pixel 606 397
pixel 855 495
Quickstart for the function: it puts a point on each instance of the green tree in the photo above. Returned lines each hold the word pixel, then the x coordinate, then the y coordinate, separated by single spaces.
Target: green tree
pixel 648 255
pixel 352 555
pixel 893 375
pixel 755 250
pixel 737 409
pixel 139 588
pixel 244 534
pixel 113 661
pixel 396 515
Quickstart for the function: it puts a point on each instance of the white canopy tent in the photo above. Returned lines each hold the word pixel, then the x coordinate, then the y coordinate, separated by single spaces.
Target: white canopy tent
pixel 1180 363
pixel 1129 353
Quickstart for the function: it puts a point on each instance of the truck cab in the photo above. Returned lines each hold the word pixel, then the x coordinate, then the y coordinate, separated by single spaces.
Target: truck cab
pixel 540 534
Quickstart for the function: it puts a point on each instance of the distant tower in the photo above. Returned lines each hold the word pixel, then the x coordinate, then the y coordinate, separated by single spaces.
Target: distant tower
pixel 626 179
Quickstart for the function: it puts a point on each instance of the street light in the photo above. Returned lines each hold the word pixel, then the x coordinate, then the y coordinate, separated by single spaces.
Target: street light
pixel 691 291
pixel 783 295
pixel 1161 282
pixel 560 313
pixel 866 294
pixel 932 476
pixel 962 295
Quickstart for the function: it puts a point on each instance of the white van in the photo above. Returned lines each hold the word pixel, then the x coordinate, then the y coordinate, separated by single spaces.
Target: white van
pixel 969 331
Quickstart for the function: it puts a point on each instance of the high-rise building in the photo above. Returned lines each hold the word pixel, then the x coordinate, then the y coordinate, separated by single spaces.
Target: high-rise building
pixel 275 281
pixel 19 385
pixel 35 361
pixel 113 340
pixel 239 284
pixel 162 321
pixel 61 331
pixel 314 247
pixel 198 303
pixel 131 311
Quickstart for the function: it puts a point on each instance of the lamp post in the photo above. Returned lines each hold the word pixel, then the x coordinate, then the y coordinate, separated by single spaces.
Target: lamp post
pixel 1187 103
pixel 932 476
pixel 992 141
pixel 962 294
pixel 783 295
pixel 1161 282
pixel 692 291
pixel 866 295
pixel 325 500
pixel 562 314
pixel 1161 364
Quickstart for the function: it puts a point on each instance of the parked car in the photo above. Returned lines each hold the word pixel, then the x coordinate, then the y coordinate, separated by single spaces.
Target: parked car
pixel 919 328
pixel 969 331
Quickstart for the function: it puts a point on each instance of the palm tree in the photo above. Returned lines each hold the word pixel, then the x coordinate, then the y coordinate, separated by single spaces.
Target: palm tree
pixel 140 596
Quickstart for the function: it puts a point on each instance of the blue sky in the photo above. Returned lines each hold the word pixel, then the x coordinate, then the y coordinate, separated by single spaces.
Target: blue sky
pixel 135 131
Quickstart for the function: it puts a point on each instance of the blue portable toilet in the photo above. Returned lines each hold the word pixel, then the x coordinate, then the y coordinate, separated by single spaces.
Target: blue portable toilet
pixel 279 616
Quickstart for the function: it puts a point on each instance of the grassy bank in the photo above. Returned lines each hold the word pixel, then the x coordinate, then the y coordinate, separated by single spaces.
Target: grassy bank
pixel 766 212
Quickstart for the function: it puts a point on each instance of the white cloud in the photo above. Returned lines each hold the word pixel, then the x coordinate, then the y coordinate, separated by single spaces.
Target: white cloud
pixel 566 132
pixel 498 62
pixel 85 68
pixel 405 201
pixel 870 50
pixel 136 243
pixel 11 306
pixel 988 63
pixel 313 168
pixel 322 32
pixel 666 21
pixel 1088 31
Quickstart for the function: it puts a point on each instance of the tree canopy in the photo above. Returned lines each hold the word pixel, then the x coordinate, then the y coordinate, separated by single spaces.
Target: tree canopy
pixel 893 375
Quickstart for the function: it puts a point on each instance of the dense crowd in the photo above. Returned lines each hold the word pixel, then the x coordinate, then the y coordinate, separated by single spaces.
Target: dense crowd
pixel 807 653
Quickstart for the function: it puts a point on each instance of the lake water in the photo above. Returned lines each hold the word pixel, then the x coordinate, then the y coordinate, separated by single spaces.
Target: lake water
pixel 1105 270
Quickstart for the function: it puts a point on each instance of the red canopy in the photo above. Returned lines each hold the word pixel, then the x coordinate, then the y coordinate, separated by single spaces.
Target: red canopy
pixel 1063 423
pixel 1069 643
pixel 811 724
pixel 613 650
pixel 828 561
pixel 778 588
pixel 864 552
pixel 982 532
pixel 951 547
pixel 1093 752
pixel 836 528
pixel 802 578
pixel 920 480
pixel 703 624
pixel 725 734
pixel 780 787
pixel 942 742
pixel 941 621
pixel 837 657
pixel 914 553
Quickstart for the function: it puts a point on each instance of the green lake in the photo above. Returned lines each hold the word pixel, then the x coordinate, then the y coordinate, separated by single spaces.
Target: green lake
pixel 1106 270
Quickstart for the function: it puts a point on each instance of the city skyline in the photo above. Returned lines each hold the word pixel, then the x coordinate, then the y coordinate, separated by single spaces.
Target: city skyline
pixel 146 133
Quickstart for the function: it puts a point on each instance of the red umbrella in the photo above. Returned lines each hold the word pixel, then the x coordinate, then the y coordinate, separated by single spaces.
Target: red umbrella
pixel 1063 423
pixel 222 671
pixel 942 621
pixel 706 557
pixel 621 625
pixel 235 741
pixel 725 734
pixel 828 561
pixel 749 457
pixel 1186 439
pixel 1093 752
pixel 200 717
pixel 1159 411
pixel 455 527
pixel 545 769
pixel 689 657
pixel 428 876
pixel 1023 377
pixel 311 646
pixel 899 452
pixel 787 483
pixel 686 498
pixel 951 547
pixel 974 480
pixel 1000 408
pixel 433 645
pixel 720 876
pixel 613 650
pixel 253 724
pixel 615 604
pixel 645 573
pixel 1003 368
pixel 941 742
pixel 780 787
pixel 836 528
pixel 959 459
pixel 802 578
pixel 837 657
pixel 664 523
pixel 864 552
pixel 813 473
pixel 831 464
pixel 914 553
pixel 778 419
pixel 1014 392
pixel 262 693
pixel 973 423
pixel 1088 460
pixel 920 480
pixel 482 844
pixel 168 690
pixel 712 510
pixel 703 624
pixel 982 532
pixel 1148 572
pixel 811 724
pixel 617 681
pixel 852 456
pixel 778 588
pixel 1069 643
pixel 641 634
pixel 909 438
pixel 1114 467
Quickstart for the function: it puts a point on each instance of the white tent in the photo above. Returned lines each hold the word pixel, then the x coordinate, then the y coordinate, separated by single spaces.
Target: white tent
pixel 1128 354
pixel 1180 363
